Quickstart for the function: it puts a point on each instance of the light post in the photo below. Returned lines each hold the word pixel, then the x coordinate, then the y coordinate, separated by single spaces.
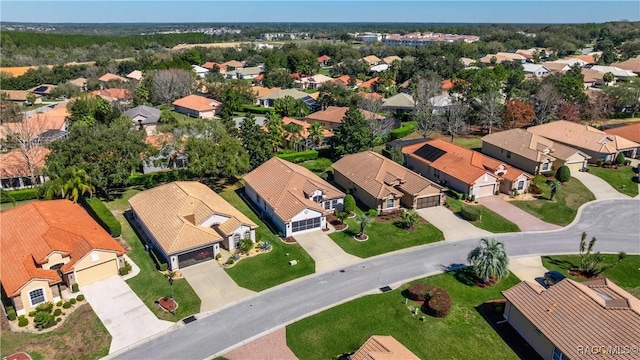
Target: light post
pixel 171 284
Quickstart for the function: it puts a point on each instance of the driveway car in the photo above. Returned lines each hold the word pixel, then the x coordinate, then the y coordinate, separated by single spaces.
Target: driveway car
pixel 552 277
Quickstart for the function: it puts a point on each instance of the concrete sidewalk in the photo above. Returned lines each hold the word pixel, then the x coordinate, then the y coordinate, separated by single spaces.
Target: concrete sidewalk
pixel 326 253
pixel 451 226
pixel 528 268
pixel 600 188
pixel 125 316
pixel 213 285
pixel 524 220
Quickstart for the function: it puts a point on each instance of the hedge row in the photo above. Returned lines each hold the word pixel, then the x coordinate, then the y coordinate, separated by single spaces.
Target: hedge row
pixel 404 130
pixel 19 195
pixel 470 213
pixel 298 157
pixel 154 179
pixel 257 109
pixel 98 210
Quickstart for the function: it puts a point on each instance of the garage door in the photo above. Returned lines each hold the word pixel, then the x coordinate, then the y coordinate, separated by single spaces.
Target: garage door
pixel 307 224
pixel 195 256
pixel 575 167
pixel 429 201
pixel 97 272
pixel 482 191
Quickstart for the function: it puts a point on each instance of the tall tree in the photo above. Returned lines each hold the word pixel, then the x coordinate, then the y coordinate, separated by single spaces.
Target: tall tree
pixel 289 106
pixel 454 120
pixel 316 134
pixel 423 112
pixel 169 85
pixel 517 114
pixel 302 61
pixel 491 109
pixel 489 260
pixel 546 103
pixel 278 78
pixel 23 137
pixel 353 135
pixel 372 107
pixel 255 142
pixel 275 131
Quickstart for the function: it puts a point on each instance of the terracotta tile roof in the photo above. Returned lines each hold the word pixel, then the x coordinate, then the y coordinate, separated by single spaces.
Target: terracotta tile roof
pixel 113 94
pixel 261 91
pixel 374 96
pixel 210 64
pixel 344 80
pixel 305 127
pixel 14 163
pixel 335 114
pixel 390 59
pixel 446 84
pixel 39 228
pixel 198 103
pixel 371 59
pixel 383 348
pixel 630 132
pixel 555 66
pixel 592 75
pixel 158 141
pixel 583 137
pixel 589 59
pixel 324 58
pixel 17 95
pixel 233 63
pixel 379 176
pixel 281 184
pixel 632 64
pixel 32 127
pixel 259 77
pixel 173 213
pixel 109 76
pixel 572 314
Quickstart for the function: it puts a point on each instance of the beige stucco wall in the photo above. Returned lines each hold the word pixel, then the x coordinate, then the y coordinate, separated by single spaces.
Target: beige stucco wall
pixel 364 197
pixel 55 258
pixel 523 326
pixel 516 160
pixel 23 303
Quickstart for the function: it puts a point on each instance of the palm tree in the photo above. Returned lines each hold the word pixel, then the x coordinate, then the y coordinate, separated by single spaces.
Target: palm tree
pixel 316 133
pixel 76 183
pixel 364 220
pixel 409 218
pixel 554 185
pixel 52 188
pixel 489 259
pixel 342 216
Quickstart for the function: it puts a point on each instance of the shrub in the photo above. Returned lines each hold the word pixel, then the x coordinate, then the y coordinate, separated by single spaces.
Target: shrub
pixel 246 245
pixel 535 189
pixel 627 162
pixel 257 109
pixel 470 213
pixel 539 180
pixel 11 313
pixel 80 297
pixel 298 157
pixel 235 256
pixel 45 307
pixel 230 261
pixel 74 288
pixel 620 159
pixel 23 321
pixel 372 213
pixel 66 305
pixel 99 211
pixel 164 267
pixel 473 198
pixel 454 194
pixel 404 130
pixel 44 319
pixel 265 245
pixel 19 195
pixel 563 174
pixel 32 313
pixel 58 319
pixel 123 271
pixel 59 303
pixel 420 291
pixel 57 312
pixel 73 301
pixel 349 204
pixel 599 162
pixel 218 256
pixel 440 303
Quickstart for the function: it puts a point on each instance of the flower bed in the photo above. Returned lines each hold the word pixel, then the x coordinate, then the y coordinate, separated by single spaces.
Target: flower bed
pixel 168 304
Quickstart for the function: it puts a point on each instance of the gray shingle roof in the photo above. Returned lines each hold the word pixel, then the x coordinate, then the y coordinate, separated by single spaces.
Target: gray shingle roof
pixel 148 114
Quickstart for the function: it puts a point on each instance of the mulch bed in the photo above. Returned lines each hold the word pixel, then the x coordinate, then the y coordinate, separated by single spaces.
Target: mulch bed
pixel 492 281
pixel 364 237
pixel 290 240
pixel 168 304
pixel 19 356
pixel 579 274
pixel 336 223
pixel 388 218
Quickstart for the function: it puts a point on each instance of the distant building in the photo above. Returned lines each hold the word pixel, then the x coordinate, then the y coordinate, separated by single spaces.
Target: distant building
pixel 419 39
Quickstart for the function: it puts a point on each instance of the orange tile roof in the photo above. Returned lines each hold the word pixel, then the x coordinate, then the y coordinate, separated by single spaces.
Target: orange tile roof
pixel 446 84
pixel 324 58
pixel 198 103
pixel 572 314
pixel 589 59
pixel 383 348
pixel 305 127
pixel 259 77
pixel 14 163
pixel 344 80
pixel 109 76
pixel 282 185
pixel 631 132
pixel 32 127
pixel 335 114
pixel 210 64
pixel 261 91
pixel 113 94
pixel 233 63
pixel 39 228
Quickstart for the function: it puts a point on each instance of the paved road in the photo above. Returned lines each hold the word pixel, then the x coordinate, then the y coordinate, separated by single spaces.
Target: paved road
pixel 615 224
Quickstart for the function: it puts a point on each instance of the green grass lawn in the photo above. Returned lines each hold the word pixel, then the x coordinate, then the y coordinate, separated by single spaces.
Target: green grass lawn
pixel 184 120
pixel 473 143
pixel 625 274
pixel 384 237
pixel 490 221
pixel 621 178
pixel 150 285
pixel 565 206
pixel 318 166
pixel 344 328
pixel 267 270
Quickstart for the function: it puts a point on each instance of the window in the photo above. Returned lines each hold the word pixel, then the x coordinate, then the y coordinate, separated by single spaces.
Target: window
pixel 327 205
pixel 508 154
pixel 95 257
pixel 389 203
pixel 520 184
pixel 258 199
pixel 545 166
pixel 334 203
pixel 247 235
pixel 317 199
pixel 36 296
pixel 236 240
pixel 436 173
pixel 558 355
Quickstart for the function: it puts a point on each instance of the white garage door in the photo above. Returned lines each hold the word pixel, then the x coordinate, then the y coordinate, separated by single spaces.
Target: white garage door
pixel 97 272
pixel 574 167
pixel 482 191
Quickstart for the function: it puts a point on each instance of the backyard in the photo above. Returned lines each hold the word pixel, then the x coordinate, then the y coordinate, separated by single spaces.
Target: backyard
pixel 150 284
pixel 565 206
pixel 620 179
pixel 267 270
pixel 384 237
pixel 489 220
pixel 344 328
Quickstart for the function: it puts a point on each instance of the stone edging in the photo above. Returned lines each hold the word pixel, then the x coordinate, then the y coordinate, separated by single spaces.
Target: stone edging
pixel 367 238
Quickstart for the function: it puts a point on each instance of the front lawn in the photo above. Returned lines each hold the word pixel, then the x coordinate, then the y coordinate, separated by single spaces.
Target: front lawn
pixel 625 274
pixel 82 336
pixel 318 166
pixel 471 142
pixel 620 179
pixel 344 328
pixel 489 220
pixel 267 270
pixel 565 206
pixel 150 285
pixel 384 237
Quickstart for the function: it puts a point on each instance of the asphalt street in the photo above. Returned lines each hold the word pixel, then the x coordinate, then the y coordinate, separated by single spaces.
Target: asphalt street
pixel 615 223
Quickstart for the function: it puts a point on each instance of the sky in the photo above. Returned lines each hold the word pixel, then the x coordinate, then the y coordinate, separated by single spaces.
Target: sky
pixel 424 11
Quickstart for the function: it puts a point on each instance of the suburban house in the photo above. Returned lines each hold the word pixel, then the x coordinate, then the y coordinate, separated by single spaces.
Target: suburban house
pixel 536 70
pixel 630 132
pixel 269 100
pixel 575 320
pixel 399 103
pixel 186 222
pixel 632 64
pixel 383 348
pixel 311 82
pixel 111 77
pixel 168 157
pixel 261 91
pixel 198 106
pixel 532 153
pixel 292 197
pixel 385 185
pixel 464 170
pixel 50 245
pixel 502 57
pixel 616 71
pixel 372 60
pixel 390 59
pixel 144 116
pixel 570 61
pixel 232 65
pixel 556 67
pixel 331 117
pixel 19 96
pixel 43 90
pixel 79 82
pixel 210 65
pixel 593 142
pixel 135 75
pixel 347 81
pixel 324 60
pixel 200 71
pixel 305 135
pixel 15 170
pixel 114 95
pixel 591 78
pixel 248 72
pixel 41 128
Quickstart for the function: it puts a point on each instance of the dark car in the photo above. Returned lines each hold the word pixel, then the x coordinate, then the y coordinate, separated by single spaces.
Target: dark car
pixel 552 277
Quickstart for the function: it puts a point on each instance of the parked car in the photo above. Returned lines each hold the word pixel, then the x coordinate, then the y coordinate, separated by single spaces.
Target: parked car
pixel 553 277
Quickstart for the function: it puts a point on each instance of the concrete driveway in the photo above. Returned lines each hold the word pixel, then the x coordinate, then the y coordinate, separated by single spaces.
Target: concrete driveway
pixel 600 188
pixel 452 226
pixel 528 268
pixel 326 253
pixel 524 220
pixel 213 285
pixel 125 316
